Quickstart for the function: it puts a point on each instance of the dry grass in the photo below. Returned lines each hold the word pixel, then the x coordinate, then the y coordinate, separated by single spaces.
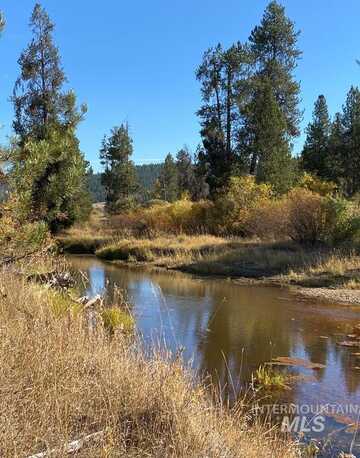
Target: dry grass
pixel 87 237
pixel 282 262
pixel 165 250
pixel 334 268
pixel 59 383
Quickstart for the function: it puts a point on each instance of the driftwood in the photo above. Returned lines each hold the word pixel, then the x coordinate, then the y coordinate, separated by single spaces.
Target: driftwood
pixel 71 447
pixel 91 314
pixel 54 279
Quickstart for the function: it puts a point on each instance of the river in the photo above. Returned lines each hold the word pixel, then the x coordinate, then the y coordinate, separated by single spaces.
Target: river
pixel 227 330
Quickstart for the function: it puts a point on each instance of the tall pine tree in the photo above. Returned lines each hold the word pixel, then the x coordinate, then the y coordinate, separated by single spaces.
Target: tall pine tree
pixel 336 155
pixel 49 171
pixel 119 176
pixel 315 155
pixel 350 158
pixel 274 54
pixel 167 185
pixel 219 74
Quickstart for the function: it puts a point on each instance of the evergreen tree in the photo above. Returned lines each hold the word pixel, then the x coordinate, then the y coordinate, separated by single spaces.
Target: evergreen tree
pixel 39 101
pixel 351 142
pixel 119 176
pixel 49 171
pixel 201 189
pixel 274 57
pixel 167 187
pixel 219 74
pixel 315 155
pixel 335 158
pixel 275 165
pixel 185 172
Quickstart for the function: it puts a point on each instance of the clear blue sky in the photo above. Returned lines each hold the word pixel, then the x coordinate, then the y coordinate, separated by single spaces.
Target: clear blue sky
pixel 135 61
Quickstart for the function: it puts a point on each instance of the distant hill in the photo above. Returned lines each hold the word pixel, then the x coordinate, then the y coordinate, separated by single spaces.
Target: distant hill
pixel 147 175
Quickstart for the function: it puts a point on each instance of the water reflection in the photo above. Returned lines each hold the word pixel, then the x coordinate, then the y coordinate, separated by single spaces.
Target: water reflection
pixel 229 330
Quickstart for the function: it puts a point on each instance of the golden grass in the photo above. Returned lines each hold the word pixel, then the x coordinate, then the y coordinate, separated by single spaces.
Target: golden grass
pixel 88 236
pixel 165 250
pixel 283 262
pixel 59 383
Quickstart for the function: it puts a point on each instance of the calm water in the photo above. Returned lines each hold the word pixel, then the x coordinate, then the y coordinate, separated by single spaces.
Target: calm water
pixel 228 330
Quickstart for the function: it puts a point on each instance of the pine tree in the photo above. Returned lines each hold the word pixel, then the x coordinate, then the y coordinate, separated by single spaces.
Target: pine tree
pixel 275 165
pixel 201 189
pixel 49 171
pixel 185 172
pixel 167 186
pixel 315 155
pixel 335 158
pixel 39 101
pixel 274 55
pixel 2 22
pixel 219 74
pixel 351 143
pixel 119 176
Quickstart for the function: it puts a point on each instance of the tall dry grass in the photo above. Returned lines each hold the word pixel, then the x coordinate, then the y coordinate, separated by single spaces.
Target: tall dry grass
pixel 59 383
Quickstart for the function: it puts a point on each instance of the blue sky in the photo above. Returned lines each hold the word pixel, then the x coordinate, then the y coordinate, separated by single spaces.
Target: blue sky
pixel 135 61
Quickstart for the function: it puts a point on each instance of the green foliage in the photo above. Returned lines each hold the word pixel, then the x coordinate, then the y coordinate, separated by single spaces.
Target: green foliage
pixel 315 184
pixel 50 183
pixel 167 185
pixel 147 174
pixel 270 114
pixel 314 157
pixel 119 177
pixel 47 171
pixel 350 158
pixel 343 222
pixel 250 106
pixel 185 172
pixel 219 75
pixel 115 318
pixel 233 210
pixel 270 379
pixel 40 105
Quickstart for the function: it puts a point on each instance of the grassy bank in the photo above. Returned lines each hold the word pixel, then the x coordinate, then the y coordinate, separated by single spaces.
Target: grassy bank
pixel 284 263
pixel 60 383
pixel 87 237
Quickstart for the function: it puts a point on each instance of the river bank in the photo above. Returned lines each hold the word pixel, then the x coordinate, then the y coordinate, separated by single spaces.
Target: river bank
pixel 120 402
pixel 318 272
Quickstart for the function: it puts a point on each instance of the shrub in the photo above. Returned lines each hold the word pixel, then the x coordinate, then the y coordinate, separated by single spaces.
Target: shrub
pixel 315 184
pixel 233 212
pixel 114 318
pixel 343 221
pixel 306 216
pixel 269 221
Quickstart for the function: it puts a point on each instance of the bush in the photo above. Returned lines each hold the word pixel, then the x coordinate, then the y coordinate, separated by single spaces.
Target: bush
pixel 307 216
pixel 114 318
pixel 233 212
pixel 315 184
pixel 343 221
